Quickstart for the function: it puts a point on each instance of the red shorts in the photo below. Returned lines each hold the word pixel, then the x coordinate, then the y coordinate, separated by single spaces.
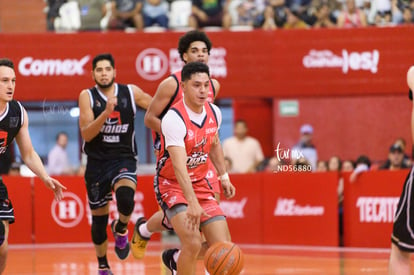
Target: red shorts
pixel 169 194
pixel 212 177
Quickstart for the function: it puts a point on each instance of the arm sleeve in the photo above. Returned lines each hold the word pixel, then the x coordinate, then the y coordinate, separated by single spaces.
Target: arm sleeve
pixel 173 129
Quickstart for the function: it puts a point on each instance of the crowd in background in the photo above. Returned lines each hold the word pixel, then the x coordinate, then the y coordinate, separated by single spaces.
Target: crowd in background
pixel 226 14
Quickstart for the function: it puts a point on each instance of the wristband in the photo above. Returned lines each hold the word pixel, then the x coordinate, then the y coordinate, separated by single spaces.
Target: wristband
pixel 225 176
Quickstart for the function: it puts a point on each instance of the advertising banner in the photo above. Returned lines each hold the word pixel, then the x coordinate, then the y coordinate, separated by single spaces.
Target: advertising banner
pixel 281 63
pixel 300 209
pixel 369 207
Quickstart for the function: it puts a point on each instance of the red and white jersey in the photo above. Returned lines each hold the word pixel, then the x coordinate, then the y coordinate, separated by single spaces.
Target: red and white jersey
pixel 195 132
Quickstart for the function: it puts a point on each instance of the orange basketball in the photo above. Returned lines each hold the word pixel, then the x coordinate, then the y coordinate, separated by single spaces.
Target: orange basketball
pixel 224 258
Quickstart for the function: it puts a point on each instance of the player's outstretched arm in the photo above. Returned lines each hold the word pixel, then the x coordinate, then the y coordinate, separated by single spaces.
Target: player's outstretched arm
pixel 159 102
pixel 33 161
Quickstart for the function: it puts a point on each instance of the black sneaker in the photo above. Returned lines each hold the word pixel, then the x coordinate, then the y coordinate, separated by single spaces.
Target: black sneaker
pixel 168 260
pixel 121 243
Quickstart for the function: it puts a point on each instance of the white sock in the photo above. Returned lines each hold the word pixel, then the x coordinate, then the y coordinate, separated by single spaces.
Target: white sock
pixel 143 230
pixel 176 255
pixel 207 273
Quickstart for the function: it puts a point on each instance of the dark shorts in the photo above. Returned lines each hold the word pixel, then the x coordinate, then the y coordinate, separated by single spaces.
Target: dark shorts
pixel 101 176
pixel 403 229
pixel 6 207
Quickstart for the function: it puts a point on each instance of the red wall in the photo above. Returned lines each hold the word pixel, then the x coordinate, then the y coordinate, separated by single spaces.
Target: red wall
pixel 348 126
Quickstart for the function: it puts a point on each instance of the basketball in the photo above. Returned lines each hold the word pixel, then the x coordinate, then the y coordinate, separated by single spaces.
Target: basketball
pixel 224 258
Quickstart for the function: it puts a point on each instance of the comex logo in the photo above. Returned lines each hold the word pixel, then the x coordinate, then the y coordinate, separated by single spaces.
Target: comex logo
pixel 29 66
pixel 69 211
pixel 151 64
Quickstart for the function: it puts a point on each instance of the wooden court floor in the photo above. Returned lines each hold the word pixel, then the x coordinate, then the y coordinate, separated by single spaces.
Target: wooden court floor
pixel 74 259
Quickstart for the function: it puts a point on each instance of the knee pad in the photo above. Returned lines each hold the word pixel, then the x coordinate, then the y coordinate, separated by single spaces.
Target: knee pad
pixel 99 224
pixel 2 232
pixel 125 200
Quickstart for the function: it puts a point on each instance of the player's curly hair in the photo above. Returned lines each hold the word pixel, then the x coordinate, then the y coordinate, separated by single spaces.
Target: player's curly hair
pixel 185 41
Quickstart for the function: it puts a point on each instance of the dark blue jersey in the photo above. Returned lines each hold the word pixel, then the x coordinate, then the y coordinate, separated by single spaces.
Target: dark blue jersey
pixel 10 123
pixel 116 139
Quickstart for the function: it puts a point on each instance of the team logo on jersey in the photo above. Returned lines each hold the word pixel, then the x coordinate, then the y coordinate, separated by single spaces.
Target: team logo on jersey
pixel 197 155
pixel 3 141
pixel 14 121
pixel 210 121
pixel 114 118
pixel 97 103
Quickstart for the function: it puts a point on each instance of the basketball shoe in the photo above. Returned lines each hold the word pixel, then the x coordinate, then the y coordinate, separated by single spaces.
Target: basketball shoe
pixel 104 271
pixel 168 260
pixel 121 242
pixel 138 242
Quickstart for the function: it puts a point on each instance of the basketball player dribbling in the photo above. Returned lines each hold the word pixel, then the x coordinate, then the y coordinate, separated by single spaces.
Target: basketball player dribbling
pixel 192 46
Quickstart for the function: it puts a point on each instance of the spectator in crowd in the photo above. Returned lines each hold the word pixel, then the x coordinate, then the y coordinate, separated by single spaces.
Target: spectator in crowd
pixel 126 14
pixel 323 18
pixel 305 148
pixel 155 13
pixel 362 164
pixel 351 16
pixel 382 11
pixel 322 166
pixel 334 164
pixel 395 158
pixel 58 160
pixel 407 15
pixel 279 15
pixel 269 22
pixel 14 169
pixel 293 21
pixel 52 8
pixel 206 13
pixel 272 165
pixel 403 144
pixel 244 151
pixel 91 14
pixel 347 166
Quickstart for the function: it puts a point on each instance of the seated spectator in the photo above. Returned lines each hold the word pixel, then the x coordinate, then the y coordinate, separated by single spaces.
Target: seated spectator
pixel 351 16
pixel 382 11
pixel 91 14
pixel 323 18
pixel 334 164
pixel 395 158
pixel 155 13
pixel 52 13
pixel 246 14
pixel 269 22
pixel 279 8
pixel 209 13
pixel 321 166
pixel 362 164
pixel 293 21
pixel 302 165
pixel 407 15
pixel 126 14
pixel 347 166
pixel 272 165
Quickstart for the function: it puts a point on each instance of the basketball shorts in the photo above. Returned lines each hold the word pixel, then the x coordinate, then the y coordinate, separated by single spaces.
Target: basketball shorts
pixel 6 207
pixel 101 176
pixel 170 194
pixel 403 229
